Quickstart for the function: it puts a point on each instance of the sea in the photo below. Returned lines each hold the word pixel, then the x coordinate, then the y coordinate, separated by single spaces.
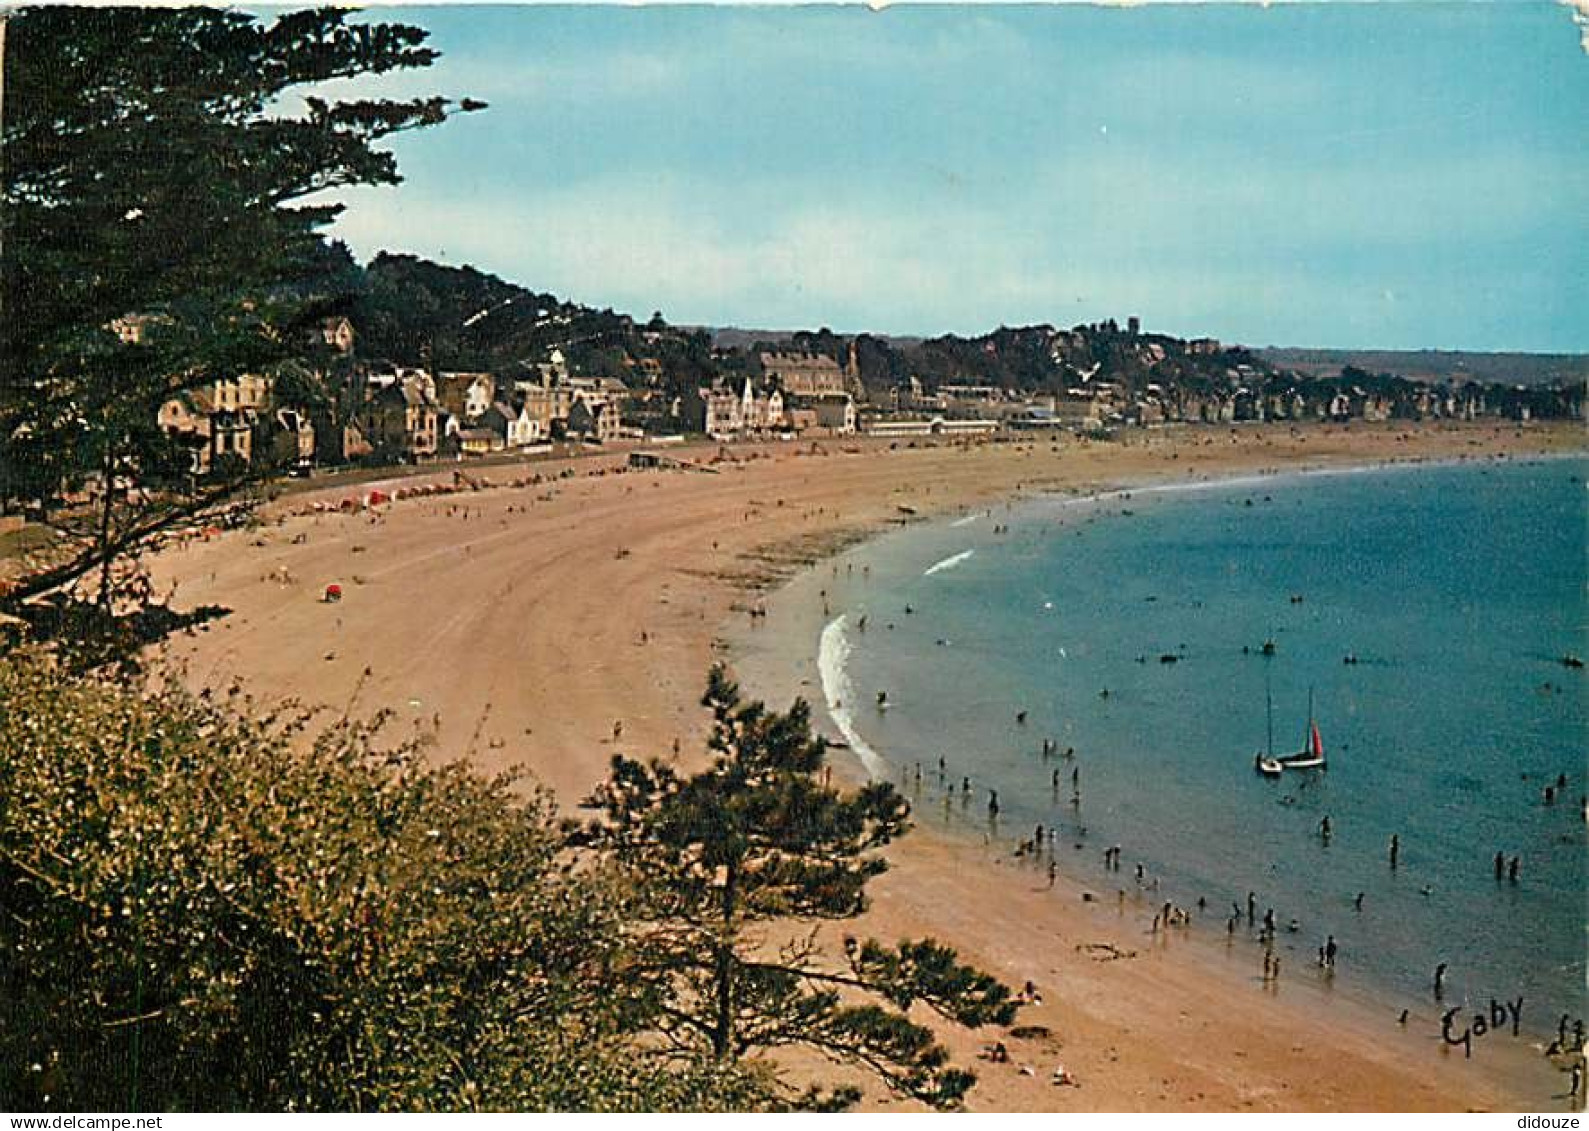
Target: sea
pixel 1419 614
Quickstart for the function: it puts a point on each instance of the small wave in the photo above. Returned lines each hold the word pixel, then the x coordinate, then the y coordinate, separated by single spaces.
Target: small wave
pixel 832 653
pixel 966 521
pixel 948 563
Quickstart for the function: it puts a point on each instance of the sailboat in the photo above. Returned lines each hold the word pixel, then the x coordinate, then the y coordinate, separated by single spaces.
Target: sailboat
pixel 1267 764
pixel 1311 756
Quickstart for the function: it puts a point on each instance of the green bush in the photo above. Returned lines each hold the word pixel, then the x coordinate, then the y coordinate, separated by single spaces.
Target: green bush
pixel 207 907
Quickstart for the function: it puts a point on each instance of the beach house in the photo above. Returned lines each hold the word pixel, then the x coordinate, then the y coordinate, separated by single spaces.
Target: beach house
pixel 594 416
pixel 466 395
pixel 807 374
pixel 832 411
pixel 402 418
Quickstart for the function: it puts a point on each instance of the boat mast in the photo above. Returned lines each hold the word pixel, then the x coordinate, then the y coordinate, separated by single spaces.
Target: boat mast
pixel 1269 709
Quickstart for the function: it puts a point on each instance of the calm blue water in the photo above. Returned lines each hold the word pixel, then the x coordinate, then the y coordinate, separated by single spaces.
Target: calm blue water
pixel 1456 587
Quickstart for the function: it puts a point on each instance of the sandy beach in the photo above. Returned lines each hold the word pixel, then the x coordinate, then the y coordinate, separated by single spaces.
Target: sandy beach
pixel 551 624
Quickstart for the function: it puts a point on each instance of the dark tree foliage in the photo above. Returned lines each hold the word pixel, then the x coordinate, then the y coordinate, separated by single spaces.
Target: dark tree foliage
pixel 415 311
pixel 733 871
pixel 160 225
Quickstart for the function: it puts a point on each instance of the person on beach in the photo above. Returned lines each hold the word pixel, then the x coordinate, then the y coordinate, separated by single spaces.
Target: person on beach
pixel 1395 848
pixel 965 786
pixel 1357 904
pixel 1440 981
pixel 1056 779
pixel 1511 869
pixel 1500 864
pixel 1053 873
pixel 1330 951
pixel 993 804
pixel 1252 906
pixel 1324 828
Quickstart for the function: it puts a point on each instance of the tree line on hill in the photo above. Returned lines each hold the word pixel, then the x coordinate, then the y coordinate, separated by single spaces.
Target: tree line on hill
pixel 410 311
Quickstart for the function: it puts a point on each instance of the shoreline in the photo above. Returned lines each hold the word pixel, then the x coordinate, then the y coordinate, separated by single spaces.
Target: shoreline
pixel 516 625
pixel 806 657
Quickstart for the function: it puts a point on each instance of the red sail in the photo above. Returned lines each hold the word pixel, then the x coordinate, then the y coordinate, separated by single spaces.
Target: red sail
pixel 1318 743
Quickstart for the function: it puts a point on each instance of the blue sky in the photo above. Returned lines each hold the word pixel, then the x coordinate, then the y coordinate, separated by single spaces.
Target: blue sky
pixel 1385 175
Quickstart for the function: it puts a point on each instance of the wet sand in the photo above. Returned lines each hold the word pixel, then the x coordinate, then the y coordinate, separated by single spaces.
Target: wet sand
pixel 521 625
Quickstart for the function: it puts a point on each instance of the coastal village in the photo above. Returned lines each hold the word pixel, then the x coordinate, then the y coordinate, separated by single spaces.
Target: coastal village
pixel 621 383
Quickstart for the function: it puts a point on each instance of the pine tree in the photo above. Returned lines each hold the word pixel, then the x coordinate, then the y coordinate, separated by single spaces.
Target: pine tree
pixel 162 200
pixel 734 870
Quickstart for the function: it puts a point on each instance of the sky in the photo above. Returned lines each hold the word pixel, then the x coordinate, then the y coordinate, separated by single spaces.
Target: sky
pixel 1393 176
